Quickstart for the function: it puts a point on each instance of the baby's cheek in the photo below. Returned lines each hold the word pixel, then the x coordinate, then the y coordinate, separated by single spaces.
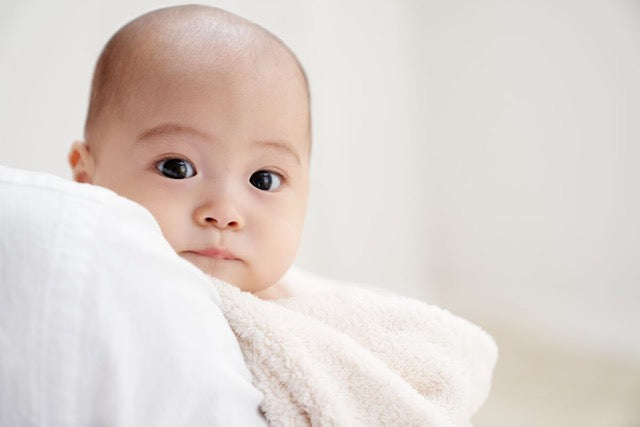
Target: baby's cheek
pixel 283 254
pixel 168 220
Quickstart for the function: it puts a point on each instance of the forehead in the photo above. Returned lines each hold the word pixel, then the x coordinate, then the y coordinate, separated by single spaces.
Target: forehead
pixel 199 72
pixel 256 94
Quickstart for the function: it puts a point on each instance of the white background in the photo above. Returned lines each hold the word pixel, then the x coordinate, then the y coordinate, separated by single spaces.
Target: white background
pixel 481 155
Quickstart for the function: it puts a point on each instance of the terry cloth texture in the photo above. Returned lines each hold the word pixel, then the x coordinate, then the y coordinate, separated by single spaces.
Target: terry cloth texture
pixel 353 357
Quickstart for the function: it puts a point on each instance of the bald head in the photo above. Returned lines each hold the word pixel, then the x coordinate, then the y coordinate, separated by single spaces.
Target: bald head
pixel 183 41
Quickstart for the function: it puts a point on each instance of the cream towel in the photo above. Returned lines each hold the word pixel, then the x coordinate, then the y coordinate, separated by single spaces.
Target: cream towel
pixel 352 357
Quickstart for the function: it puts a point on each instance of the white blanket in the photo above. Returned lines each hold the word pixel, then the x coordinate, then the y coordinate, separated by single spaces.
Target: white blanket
pixel 101 323
pixel 350 356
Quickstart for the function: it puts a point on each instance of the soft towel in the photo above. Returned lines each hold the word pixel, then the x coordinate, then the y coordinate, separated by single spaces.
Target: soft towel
pixel 350 356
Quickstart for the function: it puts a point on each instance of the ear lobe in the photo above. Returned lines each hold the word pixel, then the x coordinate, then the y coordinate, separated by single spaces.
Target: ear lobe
pixel 81 162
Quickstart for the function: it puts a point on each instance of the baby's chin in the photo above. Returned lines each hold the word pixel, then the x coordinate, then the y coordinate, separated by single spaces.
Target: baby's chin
pixel 233 271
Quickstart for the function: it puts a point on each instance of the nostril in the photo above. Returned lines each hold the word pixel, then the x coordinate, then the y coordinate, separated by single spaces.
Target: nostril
pixel 213 221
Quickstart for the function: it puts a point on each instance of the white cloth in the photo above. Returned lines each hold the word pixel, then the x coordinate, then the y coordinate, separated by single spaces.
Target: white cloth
pixel 101 323
pixel 349 356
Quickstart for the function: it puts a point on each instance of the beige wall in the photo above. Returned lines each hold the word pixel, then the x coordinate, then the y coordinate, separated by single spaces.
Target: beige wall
pixel 482 155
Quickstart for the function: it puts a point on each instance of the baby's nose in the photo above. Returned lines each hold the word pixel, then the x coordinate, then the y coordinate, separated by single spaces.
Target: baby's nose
pixel 220 216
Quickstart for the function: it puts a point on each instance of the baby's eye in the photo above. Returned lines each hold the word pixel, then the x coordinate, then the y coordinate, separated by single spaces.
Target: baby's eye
pixel 176 168
pixel 266 181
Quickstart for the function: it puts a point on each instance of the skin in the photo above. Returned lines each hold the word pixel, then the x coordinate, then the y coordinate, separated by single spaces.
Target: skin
pixel 228 111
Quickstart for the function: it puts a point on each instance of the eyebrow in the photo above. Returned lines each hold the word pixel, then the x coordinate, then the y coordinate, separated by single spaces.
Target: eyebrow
pixel 171 129
pixel 280 146
pixel 178 129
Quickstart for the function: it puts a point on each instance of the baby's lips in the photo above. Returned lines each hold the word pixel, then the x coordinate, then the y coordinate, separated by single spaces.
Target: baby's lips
pixel 216 253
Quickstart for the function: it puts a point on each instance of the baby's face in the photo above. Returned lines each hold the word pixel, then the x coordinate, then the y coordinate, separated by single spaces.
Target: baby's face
pixel 220 156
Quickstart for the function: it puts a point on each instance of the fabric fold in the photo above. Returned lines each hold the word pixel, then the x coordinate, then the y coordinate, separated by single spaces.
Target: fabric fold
pixel 349 356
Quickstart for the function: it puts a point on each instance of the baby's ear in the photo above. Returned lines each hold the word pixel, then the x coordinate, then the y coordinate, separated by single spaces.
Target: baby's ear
pixel 81 162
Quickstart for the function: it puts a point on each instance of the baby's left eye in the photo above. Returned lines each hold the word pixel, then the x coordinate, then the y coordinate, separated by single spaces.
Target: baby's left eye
pixel 265 180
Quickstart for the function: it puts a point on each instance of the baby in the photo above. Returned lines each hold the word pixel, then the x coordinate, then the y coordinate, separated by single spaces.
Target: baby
pixel 203 118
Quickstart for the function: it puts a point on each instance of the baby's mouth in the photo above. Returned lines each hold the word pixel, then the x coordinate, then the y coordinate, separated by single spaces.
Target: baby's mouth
pixel 215 253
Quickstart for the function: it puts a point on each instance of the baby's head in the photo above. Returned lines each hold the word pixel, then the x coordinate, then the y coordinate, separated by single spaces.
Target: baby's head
pixel 203 118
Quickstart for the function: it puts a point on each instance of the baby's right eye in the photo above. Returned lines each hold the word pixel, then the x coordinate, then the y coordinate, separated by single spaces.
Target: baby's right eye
pixel 176 168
